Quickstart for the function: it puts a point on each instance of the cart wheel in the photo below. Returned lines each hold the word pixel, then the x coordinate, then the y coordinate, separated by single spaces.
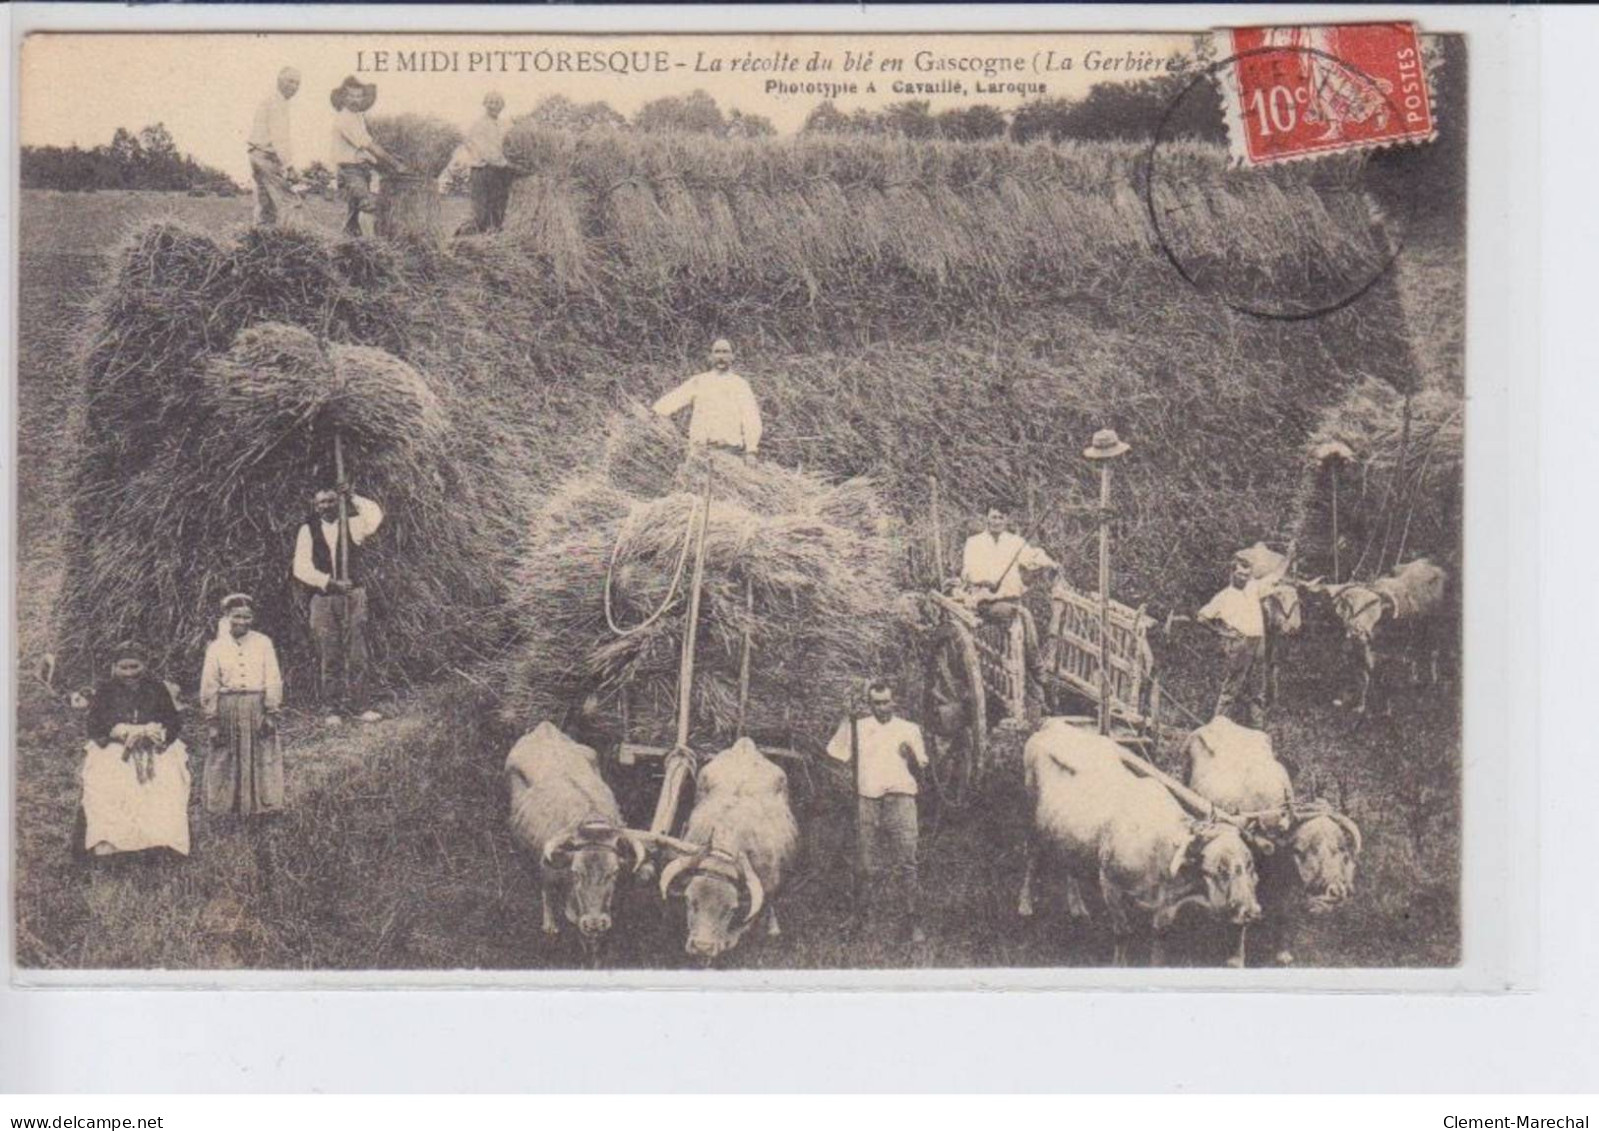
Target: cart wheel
pixel 954 714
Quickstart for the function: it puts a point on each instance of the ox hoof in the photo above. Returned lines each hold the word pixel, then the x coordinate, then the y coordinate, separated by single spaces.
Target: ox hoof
pixel 1285 958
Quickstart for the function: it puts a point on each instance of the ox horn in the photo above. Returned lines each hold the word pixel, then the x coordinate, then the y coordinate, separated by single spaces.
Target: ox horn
pixel 638 845
pixel 672 871
pixel 1349 827
pixel 753 882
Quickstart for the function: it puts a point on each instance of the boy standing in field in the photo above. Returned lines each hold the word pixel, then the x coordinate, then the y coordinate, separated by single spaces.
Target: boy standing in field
pixel 1237 615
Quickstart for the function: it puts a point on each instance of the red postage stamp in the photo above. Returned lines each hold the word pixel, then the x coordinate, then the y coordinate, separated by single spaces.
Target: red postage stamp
pixel 1302 91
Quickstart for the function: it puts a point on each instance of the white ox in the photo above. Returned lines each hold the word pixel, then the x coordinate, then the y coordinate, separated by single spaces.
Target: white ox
pixel 1393 615
pixel 565 816
pixel 1148 856
pixel 1314 848
pixel 740 843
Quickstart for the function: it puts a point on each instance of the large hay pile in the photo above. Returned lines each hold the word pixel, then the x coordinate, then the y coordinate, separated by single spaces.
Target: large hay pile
pixel 408 205
pixel 804 565
pixel 216 377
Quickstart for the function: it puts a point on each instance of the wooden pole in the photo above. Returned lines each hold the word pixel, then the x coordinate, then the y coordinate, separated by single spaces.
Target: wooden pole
pixel 938 538
pixel 1335 464
pixel 341 568
pixel 680 762
pixel 744 656
pixel 1104 597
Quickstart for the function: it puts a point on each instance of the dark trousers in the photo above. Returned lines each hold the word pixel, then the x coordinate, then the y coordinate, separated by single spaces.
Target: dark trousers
pixel 338 627
pixel 1243 686
pixel 888 853
pixel 491 189
pixel 355 185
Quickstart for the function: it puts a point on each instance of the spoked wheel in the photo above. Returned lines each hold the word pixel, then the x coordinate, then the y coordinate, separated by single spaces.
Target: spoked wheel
pixel 954 714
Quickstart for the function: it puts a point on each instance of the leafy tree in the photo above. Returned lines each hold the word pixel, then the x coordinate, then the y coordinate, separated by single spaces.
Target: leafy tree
pixel 972 123
pixel 149 159
pixel 558 112
pixel 696 112
pixel 826 119
pixel 911 119
pixel 740 124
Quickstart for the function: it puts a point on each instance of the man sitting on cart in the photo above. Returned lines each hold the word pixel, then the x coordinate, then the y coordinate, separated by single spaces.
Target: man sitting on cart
pixel 991 574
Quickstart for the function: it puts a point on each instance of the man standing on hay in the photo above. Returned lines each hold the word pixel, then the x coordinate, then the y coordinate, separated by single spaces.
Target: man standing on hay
pixel 330 566
pixel 355 155
pixel 1236 614
pixel 270 152
pixel 726 414
pixel 888 749
pixel 241 692
pixel 483 153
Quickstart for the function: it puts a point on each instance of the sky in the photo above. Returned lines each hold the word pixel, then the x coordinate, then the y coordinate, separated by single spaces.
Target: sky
pixel 77 89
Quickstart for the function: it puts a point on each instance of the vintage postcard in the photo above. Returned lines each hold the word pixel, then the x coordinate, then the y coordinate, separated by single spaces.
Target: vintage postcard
pixel 564 504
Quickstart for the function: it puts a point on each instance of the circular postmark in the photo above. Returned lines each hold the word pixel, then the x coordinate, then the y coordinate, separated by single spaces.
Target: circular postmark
pixel 1276 237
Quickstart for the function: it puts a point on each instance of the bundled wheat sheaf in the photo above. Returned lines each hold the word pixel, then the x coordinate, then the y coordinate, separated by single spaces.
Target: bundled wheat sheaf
pixel 801 566
pixel 972 312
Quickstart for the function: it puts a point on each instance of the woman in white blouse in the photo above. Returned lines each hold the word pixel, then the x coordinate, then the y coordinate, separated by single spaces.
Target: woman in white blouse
pixel 241 691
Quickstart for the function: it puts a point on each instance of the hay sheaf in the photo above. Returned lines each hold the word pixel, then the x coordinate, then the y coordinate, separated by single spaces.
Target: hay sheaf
pixel 804 565
pixel 424 144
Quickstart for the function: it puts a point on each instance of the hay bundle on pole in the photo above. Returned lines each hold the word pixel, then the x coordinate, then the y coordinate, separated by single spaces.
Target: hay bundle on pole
pixel 818 558
pixel 408 203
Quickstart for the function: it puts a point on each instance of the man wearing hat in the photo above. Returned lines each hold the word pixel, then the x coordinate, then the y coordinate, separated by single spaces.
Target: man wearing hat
pixel 726 414
pixel 327 561
pixel 1236 614
pixel 269 150
pixel 135 767
pixel 483 153
pixel 355 155
pixel 241 691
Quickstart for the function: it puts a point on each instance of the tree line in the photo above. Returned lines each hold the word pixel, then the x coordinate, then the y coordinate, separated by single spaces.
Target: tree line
pixel 148 159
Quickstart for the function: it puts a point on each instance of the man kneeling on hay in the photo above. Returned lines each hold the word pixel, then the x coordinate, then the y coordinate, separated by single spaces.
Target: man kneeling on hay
pixel 330 566
pixel 726 414
pixel 241 692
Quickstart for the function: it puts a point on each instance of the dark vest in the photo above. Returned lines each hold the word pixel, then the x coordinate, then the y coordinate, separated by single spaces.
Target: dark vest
pixel 322 558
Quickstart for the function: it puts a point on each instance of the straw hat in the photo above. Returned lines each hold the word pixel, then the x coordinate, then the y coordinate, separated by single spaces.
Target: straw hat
pixel 1106 445
pixel 238 601
pixel 350 86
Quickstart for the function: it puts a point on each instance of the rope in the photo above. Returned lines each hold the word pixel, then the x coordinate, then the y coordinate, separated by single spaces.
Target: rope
pixel 671 591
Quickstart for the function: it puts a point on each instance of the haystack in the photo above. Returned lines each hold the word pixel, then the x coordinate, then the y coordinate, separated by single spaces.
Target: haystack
pixel 408 203
pixel 804 565
pixel 213 392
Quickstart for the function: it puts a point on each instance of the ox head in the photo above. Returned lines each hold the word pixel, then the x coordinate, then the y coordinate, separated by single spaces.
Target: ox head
pixel 1324 849
pixel 722 893
pixel 588 858
pixel 1217 857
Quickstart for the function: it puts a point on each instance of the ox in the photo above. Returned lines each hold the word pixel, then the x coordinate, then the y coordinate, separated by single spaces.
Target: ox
pixel 1396 614
pixel 1149 857
pixel 1312 850
pixel 1279 605
pixel 565 816
pixel 740 844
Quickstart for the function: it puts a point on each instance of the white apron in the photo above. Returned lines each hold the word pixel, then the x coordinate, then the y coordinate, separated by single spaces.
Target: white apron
pixel 129 815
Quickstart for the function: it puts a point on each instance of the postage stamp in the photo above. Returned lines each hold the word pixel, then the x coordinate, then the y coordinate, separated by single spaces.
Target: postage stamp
pixel 1303 91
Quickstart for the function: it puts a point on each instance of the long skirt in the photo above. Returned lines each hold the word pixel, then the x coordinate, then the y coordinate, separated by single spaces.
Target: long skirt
pixel 244 768
pixel 130 815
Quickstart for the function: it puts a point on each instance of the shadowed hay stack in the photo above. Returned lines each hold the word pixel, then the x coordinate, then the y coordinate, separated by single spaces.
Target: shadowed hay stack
pixel 818 557
pixel 408 203
pixel 209 419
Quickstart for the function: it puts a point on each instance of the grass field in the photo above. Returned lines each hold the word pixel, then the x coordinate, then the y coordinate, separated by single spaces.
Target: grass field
pixel 393 853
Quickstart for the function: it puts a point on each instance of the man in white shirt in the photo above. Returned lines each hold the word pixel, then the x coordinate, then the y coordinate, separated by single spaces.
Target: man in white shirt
pixel 270 150
pixel 330 566
pixel 1237 615
pixel 991 570
pixel 884 748
pixel 483 152
pixel 355 155
pixel 726 414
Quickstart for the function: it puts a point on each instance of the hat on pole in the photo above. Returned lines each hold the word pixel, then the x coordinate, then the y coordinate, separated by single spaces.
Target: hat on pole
pixel 1105 445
